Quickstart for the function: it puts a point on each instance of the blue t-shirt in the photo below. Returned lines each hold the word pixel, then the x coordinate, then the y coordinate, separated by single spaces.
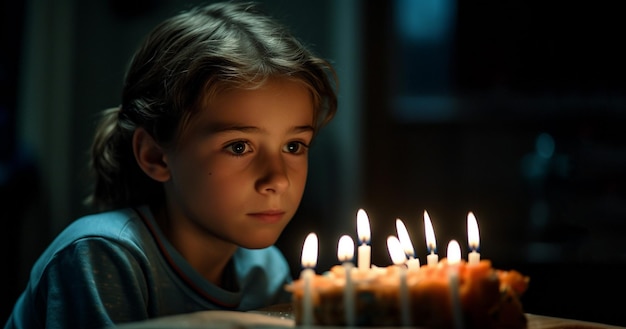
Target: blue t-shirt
pixel 117 267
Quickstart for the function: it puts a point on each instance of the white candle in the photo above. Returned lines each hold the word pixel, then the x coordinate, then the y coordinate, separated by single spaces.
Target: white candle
pixel 363 231
pixel 473 239
pixel 309 260
pixel 398 257
pixel 345 253
pixel 431 243
pixel 454 257
pixel 412 262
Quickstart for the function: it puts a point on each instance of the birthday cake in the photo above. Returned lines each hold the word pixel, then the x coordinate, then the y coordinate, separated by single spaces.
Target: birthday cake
pixel 480 296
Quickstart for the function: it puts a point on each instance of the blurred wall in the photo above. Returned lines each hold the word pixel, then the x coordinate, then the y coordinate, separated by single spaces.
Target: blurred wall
pixel 513 110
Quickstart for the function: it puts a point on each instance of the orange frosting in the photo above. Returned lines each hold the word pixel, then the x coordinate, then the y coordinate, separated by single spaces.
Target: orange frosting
pixel 489 297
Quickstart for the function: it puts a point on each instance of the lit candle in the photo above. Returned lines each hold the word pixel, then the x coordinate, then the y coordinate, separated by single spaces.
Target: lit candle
pixel 407 245
pixel 473 239
pixel 345 253
pixel 431 243
pixel 363 231
pixel 399 258
pixel 309 260
pixel 454 257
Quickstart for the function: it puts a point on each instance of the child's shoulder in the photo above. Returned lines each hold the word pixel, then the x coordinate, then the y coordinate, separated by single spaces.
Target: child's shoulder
pixel 111 232
pixel 109 224
pixel 121 226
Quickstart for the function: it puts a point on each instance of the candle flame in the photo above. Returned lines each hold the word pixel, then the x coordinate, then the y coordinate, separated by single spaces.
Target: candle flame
pixel 431 243
pixel 363 226
pixel 405 240
pixel 309 251
pixel 395 250
pixel 345 249
pixel 454 252
pixel 473 238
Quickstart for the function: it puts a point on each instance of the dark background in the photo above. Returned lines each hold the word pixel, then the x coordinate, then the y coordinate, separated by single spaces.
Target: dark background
pixel 513 110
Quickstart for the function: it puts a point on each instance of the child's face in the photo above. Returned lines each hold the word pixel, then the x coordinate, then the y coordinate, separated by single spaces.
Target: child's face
pixel 240 175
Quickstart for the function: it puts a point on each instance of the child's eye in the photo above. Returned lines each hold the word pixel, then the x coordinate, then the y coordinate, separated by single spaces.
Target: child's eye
pixel 296 148
pixel 238 148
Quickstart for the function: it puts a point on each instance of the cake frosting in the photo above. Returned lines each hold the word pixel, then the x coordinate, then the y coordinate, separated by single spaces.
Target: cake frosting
pixel 484 297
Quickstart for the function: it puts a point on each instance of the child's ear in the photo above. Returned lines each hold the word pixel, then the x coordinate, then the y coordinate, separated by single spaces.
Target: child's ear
pixel 150 156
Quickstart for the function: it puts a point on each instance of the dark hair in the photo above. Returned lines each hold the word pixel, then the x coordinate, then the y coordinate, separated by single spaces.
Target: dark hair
pixel 185 59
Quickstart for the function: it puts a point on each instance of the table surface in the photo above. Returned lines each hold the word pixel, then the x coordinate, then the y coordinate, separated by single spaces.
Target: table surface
pixel 280 316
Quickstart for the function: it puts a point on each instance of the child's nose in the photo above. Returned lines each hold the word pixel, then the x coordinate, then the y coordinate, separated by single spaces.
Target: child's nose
pixel 273 178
